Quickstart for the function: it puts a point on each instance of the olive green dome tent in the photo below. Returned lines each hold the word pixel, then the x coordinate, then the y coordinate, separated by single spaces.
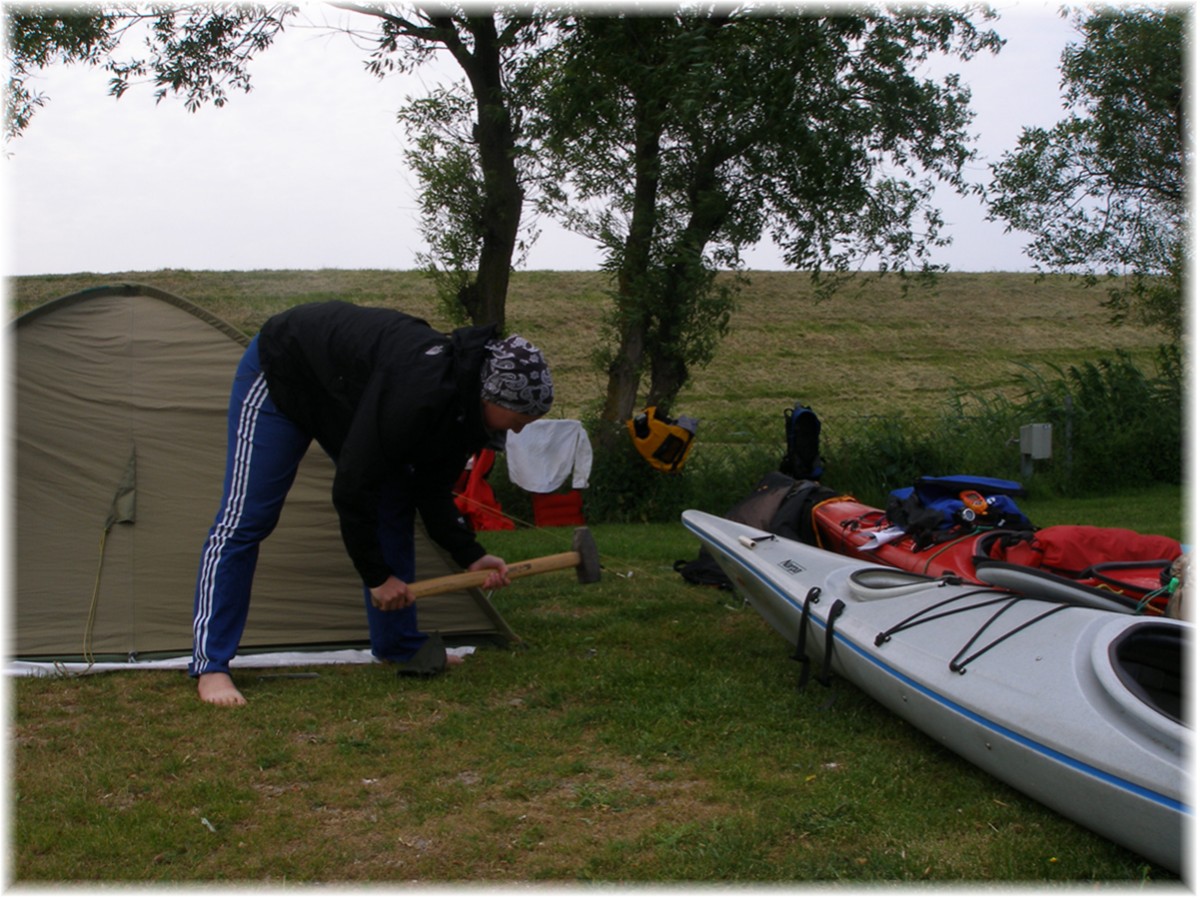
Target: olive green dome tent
pixel 119 398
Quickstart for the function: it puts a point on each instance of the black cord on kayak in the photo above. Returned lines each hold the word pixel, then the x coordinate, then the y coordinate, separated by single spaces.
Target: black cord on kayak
pixel 801 654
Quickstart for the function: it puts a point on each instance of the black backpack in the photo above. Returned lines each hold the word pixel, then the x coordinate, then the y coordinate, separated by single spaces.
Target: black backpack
pixel 802 430
pixel 779 505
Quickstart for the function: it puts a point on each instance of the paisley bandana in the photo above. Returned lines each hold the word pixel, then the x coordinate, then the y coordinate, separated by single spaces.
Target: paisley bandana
pixel 515 376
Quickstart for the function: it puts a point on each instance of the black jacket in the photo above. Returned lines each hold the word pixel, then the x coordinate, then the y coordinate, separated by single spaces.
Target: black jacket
pixel 382 391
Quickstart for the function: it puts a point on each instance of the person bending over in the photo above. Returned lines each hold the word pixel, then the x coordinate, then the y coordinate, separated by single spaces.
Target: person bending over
pixel 400 408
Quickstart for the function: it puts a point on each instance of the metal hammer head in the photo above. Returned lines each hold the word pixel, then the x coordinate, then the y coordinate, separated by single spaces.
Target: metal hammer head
pixel 588 567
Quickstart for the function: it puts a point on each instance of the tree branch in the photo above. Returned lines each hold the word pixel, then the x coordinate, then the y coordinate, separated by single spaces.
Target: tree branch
pixel 406 27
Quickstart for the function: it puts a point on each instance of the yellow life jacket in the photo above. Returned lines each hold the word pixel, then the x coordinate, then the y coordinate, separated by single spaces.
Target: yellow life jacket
pixel 664 442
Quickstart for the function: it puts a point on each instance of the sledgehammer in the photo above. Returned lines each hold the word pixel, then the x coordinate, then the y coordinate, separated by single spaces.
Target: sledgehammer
pixel 583 556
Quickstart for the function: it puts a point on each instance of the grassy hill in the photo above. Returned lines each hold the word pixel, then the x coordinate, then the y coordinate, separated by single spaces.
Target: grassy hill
pixel 870 350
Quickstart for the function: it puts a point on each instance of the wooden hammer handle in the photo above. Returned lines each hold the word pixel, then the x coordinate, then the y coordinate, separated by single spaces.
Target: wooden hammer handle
pixel 463 580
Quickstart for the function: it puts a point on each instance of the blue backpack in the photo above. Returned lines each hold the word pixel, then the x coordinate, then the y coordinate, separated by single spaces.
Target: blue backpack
pixel 937 508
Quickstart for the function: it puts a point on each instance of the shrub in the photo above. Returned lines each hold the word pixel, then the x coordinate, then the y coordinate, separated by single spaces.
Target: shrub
pixel 1118 426
pixel 1114 426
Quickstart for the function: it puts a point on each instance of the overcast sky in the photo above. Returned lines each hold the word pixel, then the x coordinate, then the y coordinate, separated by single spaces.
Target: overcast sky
pixel 307 171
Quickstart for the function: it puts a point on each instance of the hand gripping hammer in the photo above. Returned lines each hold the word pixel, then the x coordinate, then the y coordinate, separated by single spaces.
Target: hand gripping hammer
pixel 582 556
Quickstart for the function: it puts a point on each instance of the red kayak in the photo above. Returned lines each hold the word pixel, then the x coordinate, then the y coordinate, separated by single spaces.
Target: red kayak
pixel 1113 568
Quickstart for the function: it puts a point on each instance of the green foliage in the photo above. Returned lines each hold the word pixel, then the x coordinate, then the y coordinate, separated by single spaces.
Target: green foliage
pixel 1120 426
pixel 451 200
pixel 470 148
pixel 1104 191
pixel 1114 427
pixel 198 52
pixel 35 38
pixel 677 141
pixel 872 456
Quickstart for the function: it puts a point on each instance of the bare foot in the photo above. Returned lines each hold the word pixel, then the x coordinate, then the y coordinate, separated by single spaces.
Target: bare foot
pixel 218 688
pixel 452 660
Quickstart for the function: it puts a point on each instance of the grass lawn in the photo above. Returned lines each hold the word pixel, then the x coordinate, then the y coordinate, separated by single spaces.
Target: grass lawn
pixel 649 732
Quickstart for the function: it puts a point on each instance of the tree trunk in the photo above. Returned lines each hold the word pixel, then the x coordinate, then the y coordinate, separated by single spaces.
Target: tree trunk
pixel 624 373
pixel 484 299
pixel 668 375
pixel 687 282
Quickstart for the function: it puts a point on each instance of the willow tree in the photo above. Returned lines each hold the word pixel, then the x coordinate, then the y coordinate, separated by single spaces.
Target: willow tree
pixel 199 53
pixel 1104 192
pixel 468 143
pixel 678 141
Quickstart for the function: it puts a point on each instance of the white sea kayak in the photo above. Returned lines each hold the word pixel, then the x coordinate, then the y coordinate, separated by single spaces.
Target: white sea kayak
pixel 1080 708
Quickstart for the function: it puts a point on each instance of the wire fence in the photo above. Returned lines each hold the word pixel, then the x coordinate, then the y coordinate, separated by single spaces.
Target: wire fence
pixel 1092 448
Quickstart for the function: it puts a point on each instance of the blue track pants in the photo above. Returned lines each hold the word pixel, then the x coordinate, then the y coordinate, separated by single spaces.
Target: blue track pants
pixel 265 450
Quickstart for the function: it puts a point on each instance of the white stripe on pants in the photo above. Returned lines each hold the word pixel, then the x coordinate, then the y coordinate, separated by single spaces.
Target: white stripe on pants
pixel 265 449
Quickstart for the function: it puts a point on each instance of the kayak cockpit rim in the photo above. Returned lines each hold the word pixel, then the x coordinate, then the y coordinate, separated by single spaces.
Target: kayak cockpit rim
pixel 1147 658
